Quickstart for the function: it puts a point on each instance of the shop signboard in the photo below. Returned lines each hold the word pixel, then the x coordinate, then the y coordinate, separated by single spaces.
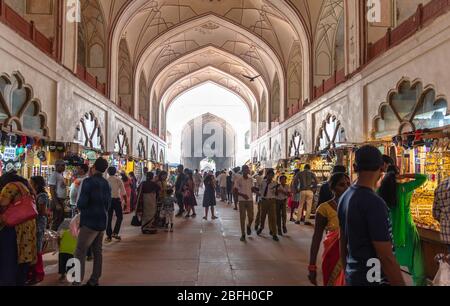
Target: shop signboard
pixel 9 154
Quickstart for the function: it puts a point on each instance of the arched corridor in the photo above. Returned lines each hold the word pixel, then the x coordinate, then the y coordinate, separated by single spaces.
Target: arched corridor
pixel 202 253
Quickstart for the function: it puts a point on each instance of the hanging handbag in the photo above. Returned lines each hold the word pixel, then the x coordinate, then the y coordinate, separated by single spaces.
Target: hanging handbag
pixel 21 210
pixel 50 242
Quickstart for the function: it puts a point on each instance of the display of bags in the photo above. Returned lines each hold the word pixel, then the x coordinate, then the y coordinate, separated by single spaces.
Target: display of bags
pixel 443 275
pixel 21 210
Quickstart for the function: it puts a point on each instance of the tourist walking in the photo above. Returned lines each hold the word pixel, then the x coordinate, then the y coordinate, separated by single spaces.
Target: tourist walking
pixel 81 173
pixel 306 181
pixel 398 194
pixel 168 209
pixel 325 192
pixel 209 197
pixel 236 175
pixel 118 194
pixel 294 199
pixel 197 181
pixel 243 188
pixel 282 194
pixel 38 184
pixel 147 199
pixel 268 204
pixel 364 226
pixel 161 181
pixel 230 187
pixel 127 184
pixel 441 210
pixel 58 193
pixel 326 220
pixel 18 245
pixel 189 197
pixel 133 196
pixel 222 178
pixel 179 185
pixel 94 203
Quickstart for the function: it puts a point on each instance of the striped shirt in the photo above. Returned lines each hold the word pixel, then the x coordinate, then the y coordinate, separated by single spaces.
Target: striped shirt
pixel 441 209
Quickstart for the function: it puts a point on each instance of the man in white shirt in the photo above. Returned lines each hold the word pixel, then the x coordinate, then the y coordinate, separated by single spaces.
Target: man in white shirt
pixel 58 192
pixel 222 178
pixel 268 204
pixel 235 176
pixel 118 193
pixel 243 187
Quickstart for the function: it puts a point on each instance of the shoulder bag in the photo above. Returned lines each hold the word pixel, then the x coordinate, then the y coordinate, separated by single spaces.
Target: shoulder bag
pixel 21 210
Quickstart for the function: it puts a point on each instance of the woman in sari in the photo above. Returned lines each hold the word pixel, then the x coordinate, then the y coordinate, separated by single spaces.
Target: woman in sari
pixel 18 245
pixel 327 220
pixel 127 184
pixel 398 194
pixel 148 194
pixel 189 196
pixel 161 181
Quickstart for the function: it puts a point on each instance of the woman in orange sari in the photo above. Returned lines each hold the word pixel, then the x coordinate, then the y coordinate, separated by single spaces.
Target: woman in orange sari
pixel 327 220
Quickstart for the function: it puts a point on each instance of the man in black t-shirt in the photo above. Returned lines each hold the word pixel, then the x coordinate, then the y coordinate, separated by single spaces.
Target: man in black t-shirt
pixel 366 244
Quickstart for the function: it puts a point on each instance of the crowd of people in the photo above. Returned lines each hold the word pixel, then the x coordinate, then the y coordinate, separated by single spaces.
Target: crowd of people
pixel 366 221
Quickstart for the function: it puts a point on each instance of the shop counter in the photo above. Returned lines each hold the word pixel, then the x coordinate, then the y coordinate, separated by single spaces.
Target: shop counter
pixel 431 246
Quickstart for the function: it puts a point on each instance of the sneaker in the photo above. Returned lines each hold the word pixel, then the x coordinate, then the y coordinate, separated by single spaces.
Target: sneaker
pixel 275 238
pixel 297 222
pixel 214 217
pixel 284 230
pixel 194 215
pixel 308 223
pixel 117 237
pixel 249 230
pixel 108 239
pixel 243 238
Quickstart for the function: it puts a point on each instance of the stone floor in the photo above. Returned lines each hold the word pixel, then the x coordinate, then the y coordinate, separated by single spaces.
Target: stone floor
pixel 201 252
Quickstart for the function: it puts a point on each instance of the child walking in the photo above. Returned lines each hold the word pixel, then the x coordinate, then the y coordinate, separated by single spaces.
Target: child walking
pixel 168 210
pixel 67 246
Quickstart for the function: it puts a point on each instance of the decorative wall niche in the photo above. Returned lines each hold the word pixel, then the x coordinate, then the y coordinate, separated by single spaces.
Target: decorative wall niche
pixel 276 151
pixel 296 145
pixel 18 107
pixel 330 134
pixel 410 107
pixel 162 158
pixel 121 144
pixel 88 132
pixel 153 156
pixel 142 150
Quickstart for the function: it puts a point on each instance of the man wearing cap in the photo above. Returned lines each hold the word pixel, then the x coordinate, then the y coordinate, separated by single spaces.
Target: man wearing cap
pixel 325 193
pixel 58 192
pixel 365 238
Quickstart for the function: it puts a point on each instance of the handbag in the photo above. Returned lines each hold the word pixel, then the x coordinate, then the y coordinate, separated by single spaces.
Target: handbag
pixel 21 210
pixel 50 244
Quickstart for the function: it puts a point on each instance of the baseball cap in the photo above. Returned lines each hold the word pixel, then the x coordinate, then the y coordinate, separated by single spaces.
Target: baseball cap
pixel 368 158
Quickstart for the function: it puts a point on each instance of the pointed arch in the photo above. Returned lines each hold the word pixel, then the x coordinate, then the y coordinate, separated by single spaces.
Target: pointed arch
pixel 125 78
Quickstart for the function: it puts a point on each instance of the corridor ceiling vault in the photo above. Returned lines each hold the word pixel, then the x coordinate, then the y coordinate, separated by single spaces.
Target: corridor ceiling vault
pixel 151 51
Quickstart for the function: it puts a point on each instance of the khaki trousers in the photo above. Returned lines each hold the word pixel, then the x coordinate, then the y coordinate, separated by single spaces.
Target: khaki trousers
pixel 281 214
pixel 268 208
pixel 306 197
pixel 245 208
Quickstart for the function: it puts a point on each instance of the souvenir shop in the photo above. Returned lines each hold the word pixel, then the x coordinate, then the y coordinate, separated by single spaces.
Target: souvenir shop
pixel 421 145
